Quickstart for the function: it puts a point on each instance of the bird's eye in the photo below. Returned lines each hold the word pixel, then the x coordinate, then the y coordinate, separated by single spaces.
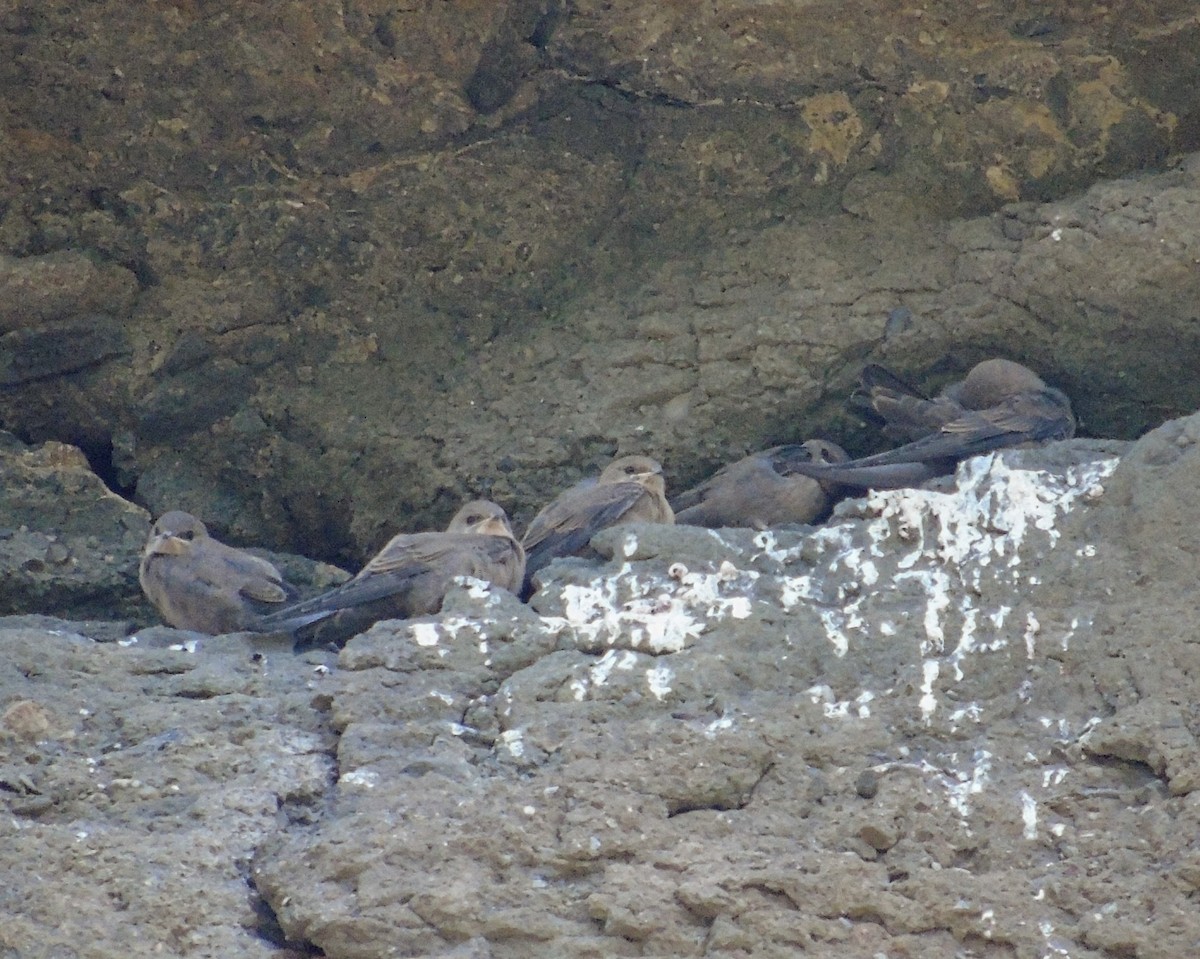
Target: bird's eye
pixel 631 469
pixel 474 518
pixel 188 535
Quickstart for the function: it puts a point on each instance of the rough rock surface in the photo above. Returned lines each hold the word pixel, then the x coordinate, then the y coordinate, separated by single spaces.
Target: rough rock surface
pixel 137 779
pixel 318 271
pixel 68 544
pixel 70 547
pixel 949 722
pixel 323 270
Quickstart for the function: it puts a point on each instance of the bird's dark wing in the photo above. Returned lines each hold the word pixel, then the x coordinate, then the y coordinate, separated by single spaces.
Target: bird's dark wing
pixel 349 595
pixel 906 412
pixel 1033 417
pixel 387 583
pixel 567 525
pixel 784 459
pixel 236 572
pixel 875 377
pixel 1022 418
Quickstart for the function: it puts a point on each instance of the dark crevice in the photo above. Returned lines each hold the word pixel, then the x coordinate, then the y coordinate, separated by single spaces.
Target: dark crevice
pixel 97 451
pixel 267 926
pixel 685 808
pixel 654 98
pixel 99 455
pixel 741 801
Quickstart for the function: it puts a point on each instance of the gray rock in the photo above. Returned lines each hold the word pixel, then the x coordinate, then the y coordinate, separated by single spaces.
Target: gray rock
pixel 421 252
pixel 481 248
pixel 869 730
pixel 140 784
pixel 69 546
pixel 918 727
pixel 37 290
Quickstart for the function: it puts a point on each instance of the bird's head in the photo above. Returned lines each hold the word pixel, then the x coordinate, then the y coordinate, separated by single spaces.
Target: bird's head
pixel 993 381
pixel 642 470
pixel 174 534
pixel 823 451
pixel 481 516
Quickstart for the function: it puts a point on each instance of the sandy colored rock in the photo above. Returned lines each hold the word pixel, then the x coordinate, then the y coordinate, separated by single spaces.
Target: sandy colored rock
pixel 296 246
pixel 40 289
pixel 905 731
pixel 69 543
pixel 711 788
pixel 143 797
pixel 319 272
pixel 69 546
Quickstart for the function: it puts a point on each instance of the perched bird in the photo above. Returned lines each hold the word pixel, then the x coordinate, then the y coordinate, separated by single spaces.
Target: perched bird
pixel 999 404
pixel 198 583
pixel 763 490
pixel 629 490
pixel 410 577
pixel 909 414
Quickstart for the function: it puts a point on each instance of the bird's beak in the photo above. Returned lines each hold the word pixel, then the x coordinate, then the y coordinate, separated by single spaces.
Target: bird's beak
pixel 495 526
pixel 166 544
pixel 651 480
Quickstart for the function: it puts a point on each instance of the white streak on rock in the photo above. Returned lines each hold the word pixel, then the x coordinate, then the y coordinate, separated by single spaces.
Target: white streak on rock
pixel 972 711
pixel 834 621
pixel 514 742
pixel 936 584
pixel 613 659
pixel 1053 776
pixel 659 679
pixel 820 694
pixel 970 785
pixel 1029 815
pixel 849 708
pixel 365 778
pixel 793 589
pixel 718 726
pixel 966 640
pixel 476 588
pixel 928 699
pixel 660 617
pixel 1032 628
pixel 988 516
pixel 769 545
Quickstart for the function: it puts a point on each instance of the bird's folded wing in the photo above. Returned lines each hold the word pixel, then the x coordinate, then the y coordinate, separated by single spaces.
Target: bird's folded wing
pixel 1026 417
pixel 251 576
pixel 421 549
pixel 908 414
pixel 356 592
pixel 568 524
pixel 875 377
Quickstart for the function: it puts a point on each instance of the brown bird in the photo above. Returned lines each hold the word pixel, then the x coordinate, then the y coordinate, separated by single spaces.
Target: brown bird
pixel 410 577
pixel 763 490
pixel 198 583
pixel 909 414
pixel 629 490
pixel 1000 404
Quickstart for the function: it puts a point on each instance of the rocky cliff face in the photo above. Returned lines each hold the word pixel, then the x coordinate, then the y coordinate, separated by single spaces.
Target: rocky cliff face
pixel 948 721
pixel 319 272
